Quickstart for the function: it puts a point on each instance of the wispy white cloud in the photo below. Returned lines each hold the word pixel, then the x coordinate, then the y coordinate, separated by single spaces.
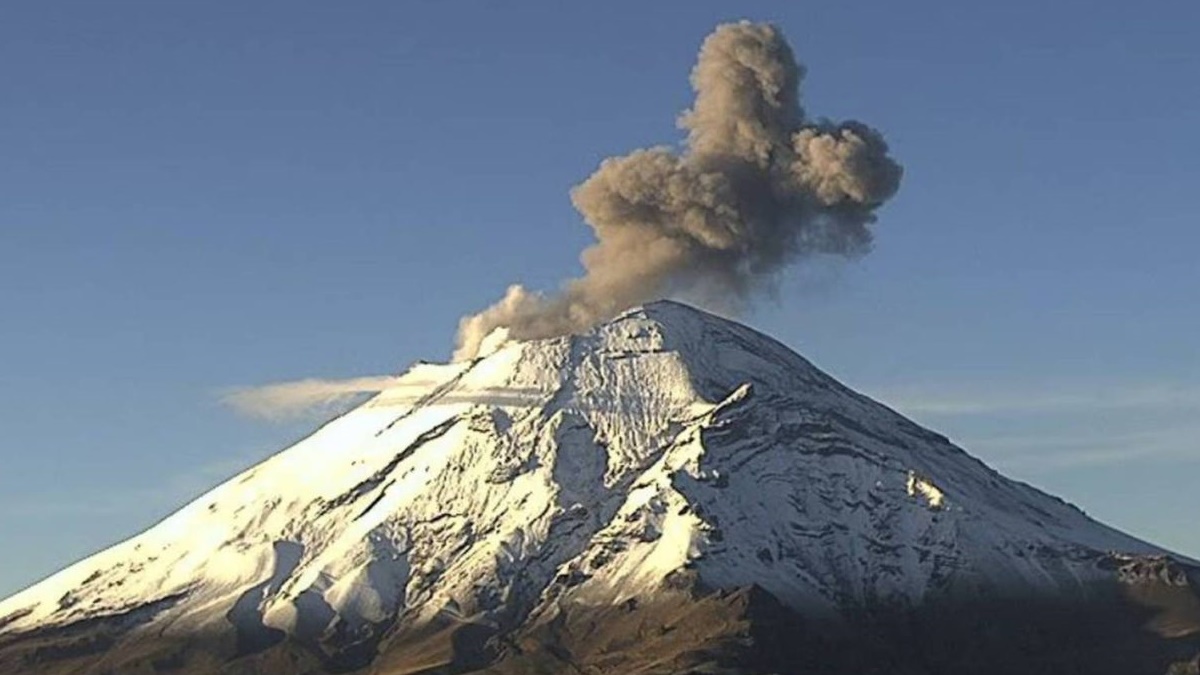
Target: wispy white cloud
pixel 312 397
pixel 949 401
pixel 1094 425
pixel 1060 451
pixel 285 400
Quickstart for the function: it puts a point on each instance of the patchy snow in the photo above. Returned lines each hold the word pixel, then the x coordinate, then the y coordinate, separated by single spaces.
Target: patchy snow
pixel 926 489
pixel 591 467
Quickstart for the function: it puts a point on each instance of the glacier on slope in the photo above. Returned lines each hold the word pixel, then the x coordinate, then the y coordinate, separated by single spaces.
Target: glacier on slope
pixel 585 469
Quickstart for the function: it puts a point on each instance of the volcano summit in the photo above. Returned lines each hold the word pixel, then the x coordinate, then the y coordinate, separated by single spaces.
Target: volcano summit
pixel 669 492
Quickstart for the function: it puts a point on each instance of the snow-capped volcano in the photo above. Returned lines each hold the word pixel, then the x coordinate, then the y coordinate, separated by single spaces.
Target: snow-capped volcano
pixel 465 518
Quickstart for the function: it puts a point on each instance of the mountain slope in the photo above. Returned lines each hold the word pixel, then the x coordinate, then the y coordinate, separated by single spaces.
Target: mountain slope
pixel 668 468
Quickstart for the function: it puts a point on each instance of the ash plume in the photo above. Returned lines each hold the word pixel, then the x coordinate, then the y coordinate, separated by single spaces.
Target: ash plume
pixel 757 185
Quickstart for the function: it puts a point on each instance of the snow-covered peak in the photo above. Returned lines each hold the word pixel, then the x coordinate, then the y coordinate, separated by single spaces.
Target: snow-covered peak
pixel 589 468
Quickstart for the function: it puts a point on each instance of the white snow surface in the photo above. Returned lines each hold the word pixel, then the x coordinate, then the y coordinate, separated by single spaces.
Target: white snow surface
pixel 588 468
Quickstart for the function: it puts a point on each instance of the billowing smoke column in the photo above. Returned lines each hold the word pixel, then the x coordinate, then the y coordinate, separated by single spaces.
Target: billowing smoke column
pixel 758 186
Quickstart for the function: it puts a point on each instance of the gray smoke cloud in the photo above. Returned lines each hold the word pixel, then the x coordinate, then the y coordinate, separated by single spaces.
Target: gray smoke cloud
pixel 757 186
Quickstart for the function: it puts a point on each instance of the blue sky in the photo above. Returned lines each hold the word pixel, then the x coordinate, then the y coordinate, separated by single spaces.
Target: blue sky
pixel 199 195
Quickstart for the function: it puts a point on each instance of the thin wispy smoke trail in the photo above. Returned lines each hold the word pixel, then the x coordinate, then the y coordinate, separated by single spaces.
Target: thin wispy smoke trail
pixel 290 399
pixel 757 186
pixel 302 398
